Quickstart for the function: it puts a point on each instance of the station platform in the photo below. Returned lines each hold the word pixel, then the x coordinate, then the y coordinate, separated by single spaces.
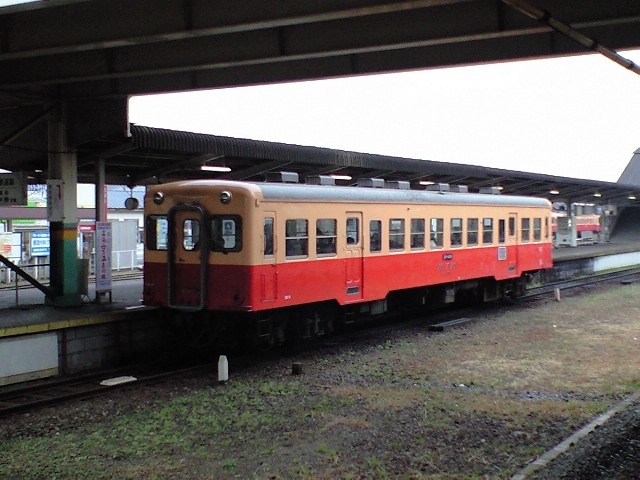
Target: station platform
pixel 613 247
pixel 30 314
pixel 39 341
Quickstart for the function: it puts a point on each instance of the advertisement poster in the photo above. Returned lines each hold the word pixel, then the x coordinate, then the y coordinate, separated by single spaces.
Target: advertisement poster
pixel 104 245
pixel 11 245
pixel 40 244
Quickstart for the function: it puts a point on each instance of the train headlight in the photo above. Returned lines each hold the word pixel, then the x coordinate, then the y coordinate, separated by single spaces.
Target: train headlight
pixel 225 197
pixel 158 198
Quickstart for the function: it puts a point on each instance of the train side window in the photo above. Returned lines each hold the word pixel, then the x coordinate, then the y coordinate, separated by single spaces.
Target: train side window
pixel 353 231
pixel 226 233
pixel 487 231
pixel 546 228
pixel 512 227
pixel 297 238
pixel 326 234
pixel 526 229
pixel 472 231
pixel 437 232
pixel 375 235
pixel 456 232
pixel 157 232
pixel 537 229
pixel 191 235
pixel 502 227
pixel 417 233
pixel 268 237
pixel 396 234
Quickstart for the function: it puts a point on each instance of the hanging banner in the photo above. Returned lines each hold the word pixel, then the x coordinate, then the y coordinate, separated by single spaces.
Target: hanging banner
pixel 104 246
pixel 55 200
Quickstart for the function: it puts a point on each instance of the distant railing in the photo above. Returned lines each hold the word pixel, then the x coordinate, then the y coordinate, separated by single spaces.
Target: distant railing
pixel 122 260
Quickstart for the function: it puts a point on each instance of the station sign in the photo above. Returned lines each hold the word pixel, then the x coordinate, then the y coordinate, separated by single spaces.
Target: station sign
pixel 13 189
pixel 104 246
pixel 40 244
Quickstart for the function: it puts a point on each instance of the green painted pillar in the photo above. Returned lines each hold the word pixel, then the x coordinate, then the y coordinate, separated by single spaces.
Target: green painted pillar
pixel 64 264
pixel 63 213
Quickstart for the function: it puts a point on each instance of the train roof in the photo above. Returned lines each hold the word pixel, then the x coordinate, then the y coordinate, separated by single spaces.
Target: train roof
pixel 352 194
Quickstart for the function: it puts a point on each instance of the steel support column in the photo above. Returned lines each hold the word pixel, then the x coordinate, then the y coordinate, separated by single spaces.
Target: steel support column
pixel 63 165
pixel 101 205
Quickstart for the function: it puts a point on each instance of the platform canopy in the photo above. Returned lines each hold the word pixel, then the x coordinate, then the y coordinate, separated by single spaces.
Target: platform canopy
pixel 91 55
pixel 155 155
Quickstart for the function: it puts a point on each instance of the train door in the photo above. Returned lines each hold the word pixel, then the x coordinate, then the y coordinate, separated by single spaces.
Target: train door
pixel 188 256
pixel 512 241
pixel 354 256
pixel 269 274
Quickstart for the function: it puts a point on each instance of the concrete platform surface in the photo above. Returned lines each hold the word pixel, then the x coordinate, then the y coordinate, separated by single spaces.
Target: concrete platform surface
pixel 31 309
pixel 597 250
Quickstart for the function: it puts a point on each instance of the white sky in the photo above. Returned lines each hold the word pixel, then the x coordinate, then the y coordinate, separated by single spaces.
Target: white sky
pixel 574 116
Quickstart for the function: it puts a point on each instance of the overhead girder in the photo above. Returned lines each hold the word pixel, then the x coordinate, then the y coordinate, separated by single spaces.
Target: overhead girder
pixel 92 49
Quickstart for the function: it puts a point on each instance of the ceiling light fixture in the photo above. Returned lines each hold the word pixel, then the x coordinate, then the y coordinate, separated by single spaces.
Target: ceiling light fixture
pixel 214 168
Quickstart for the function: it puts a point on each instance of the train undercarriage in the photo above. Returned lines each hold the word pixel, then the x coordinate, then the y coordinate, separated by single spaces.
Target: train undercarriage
pixel 230 331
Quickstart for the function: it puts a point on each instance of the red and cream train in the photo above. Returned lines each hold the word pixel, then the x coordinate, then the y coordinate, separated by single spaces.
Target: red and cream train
pixel 272 261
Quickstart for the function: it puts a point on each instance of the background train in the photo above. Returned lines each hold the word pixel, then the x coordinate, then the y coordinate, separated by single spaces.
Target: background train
pixel 269 262
pixel 587 228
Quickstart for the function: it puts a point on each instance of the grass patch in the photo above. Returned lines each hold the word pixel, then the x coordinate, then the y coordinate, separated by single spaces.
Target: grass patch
pixel 390 410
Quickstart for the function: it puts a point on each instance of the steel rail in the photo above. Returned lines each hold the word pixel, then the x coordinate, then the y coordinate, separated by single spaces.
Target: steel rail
pixel 580 282
pixel 34 396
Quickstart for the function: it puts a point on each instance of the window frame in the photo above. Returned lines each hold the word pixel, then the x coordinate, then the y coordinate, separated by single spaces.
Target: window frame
pixel 537 229
pixel 457 240
pixel 417 234
pixel 329 238
pixel 191 242
pixel 351 232
pixel 475 230
pixel 396 234
pixel 302 240
pixel 153 233
pixel 502 231
pixel 525 230
pixel 268 237
pixel 216 238
pixel 436 235
pixel 488 231
pixel 373 231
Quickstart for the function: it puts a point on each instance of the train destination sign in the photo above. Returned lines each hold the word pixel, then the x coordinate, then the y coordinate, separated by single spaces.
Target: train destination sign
pixel 13 189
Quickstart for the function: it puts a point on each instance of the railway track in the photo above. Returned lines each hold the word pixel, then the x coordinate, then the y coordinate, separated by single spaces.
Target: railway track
pixel 582 282
pixel 35 395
